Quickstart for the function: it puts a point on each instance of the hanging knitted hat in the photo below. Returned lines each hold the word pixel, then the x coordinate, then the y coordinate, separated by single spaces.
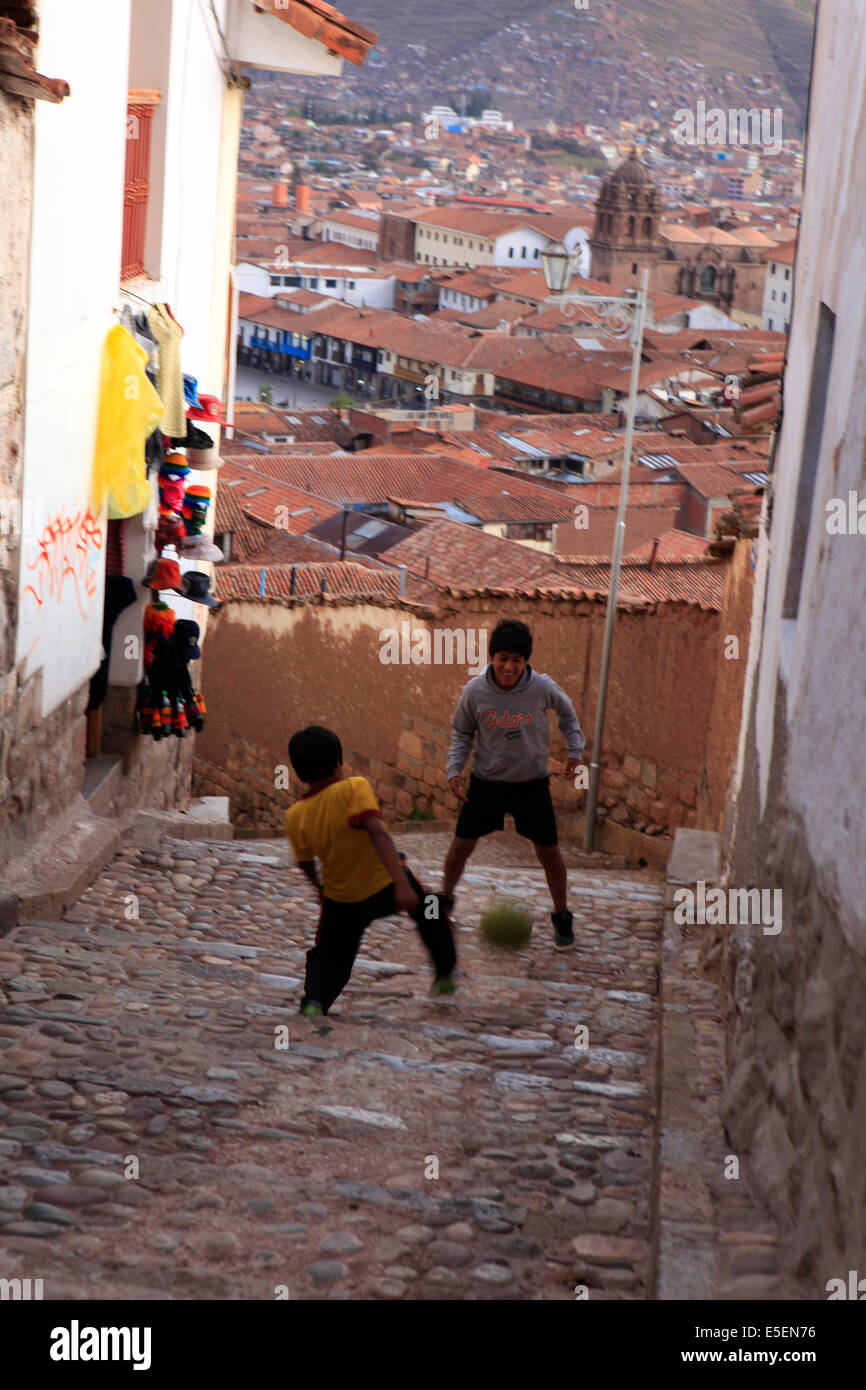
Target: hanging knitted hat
pixel 158 625
pixel 169 529
pixel 159 620
pixel 195 508
pixel 172 477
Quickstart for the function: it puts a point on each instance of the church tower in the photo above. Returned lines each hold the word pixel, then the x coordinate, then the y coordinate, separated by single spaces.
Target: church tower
pixel 625 235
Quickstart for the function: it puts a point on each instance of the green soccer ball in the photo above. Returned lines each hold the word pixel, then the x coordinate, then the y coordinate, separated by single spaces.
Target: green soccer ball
pixel 507 923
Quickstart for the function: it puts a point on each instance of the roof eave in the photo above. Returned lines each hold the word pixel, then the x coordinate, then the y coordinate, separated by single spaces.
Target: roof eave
pixel 321 22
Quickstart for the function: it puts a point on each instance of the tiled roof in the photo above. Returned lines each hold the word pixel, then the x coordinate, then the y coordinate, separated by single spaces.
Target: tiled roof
pixel 246 501
pixel 371 479
pixel 320 424
pixel 561 420
pixel 273 315
pixel 284 548
pixel 587 443
pixel 485 222
pixel 326 25
pixel 337 577
pixel 732 452
pixel 712 236
pixel 351 219
pixel 680 546
pixel 470 282
pixel 250 304
pixel 714 480
pixel 492 315
pixel 331 253
pixel 448 552
pixel 784 254
pixel 700 584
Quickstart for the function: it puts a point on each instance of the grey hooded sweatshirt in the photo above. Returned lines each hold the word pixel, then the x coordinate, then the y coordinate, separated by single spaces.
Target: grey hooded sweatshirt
pixel 511 726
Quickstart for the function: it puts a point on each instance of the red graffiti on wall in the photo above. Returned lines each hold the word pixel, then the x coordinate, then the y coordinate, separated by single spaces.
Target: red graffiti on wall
pixel 63 555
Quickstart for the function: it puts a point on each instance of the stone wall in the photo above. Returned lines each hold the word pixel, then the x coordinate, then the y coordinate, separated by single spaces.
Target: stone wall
pixel 273 666
pixel 795 1103
pixel 41 760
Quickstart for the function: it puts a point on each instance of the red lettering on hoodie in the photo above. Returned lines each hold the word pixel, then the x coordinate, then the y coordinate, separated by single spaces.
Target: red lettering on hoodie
pixel 506 720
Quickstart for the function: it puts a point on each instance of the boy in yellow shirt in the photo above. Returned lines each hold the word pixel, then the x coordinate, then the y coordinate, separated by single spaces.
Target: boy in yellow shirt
pixel 337 822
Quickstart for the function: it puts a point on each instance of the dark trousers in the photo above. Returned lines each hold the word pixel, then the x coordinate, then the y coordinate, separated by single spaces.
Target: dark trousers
pixel 341 927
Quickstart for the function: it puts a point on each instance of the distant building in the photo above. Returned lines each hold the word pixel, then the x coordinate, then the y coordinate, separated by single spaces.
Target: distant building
pixel 779 287
pixel 723 268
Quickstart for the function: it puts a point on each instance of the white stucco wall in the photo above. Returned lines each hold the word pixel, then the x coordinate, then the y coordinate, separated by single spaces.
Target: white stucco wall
pixel 75 263
pixel 516 241
pixel 777 311
pixel 821 654
pixel 254 279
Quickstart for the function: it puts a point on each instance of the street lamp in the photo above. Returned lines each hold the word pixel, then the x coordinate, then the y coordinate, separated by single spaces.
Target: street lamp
pixel 558 267
pixel 617 316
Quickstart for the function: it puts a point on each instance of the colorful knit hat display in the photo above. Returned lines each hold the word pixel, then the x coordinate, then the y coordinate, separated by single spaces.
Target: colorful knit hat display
pixel 169 529
pixel 172 479
pixel 196 504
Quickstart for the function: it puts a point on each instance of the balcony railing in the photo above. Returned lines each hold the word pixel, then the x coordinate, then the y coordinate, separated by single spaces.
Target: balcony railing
pixel 136 183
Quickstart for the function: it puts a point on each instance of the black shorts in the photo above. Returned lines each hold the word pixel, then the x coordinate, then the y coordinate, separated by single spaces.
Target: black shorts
pixel 488 803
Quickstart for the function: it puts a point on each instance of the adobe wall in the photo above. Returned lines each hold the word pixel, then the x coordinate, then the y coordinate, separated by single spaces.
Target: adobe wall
pixel 274 666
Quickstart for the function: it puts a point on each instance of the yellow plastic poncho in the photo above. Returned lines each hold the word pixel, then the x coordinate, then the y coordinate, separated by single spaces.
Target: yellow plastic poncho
pixel 129 410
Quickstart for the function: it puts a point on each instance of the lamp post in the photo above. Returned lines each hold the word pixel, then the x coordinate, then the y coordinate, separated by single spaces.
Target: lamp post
pixel 617 316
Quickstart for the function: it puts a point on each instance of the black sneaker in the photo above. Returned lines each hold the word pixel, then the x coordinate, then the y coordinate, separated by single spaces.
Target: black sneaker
pixel 563 930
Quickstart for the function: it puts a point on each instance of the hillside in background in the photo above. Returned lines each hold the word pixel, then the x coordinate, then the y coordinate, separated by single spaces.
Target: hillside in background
pixel 552 60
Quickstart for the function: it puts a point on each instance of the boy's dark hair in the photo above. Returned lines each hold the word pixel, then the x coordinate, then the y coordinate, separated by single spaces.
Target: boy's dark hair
pixel 314 752
pixel 511 636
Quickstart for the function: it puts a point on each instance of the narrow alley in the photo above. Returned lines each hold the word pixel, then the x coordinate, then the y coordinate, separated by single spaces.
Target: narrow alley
pixel 171 1128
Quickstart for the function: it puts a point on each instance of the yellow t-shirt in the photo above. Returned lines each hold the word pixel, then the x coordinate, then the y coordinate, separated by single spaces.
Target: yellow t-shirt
pixel 329 826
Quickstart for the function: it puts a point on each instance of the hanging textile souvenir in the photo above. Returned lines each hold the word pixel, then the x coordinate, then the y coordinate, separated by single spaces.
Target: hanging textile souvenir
pixel 129 411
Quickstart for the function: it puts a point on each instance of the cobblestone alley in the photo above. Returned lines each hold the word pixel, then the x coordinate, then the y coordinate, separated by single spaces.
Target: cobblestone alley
pixel 403 1147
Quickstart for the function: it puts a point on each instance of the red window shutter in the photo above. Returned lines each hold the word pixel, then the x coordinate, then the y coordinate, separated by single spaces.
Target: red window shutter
pixel 136 185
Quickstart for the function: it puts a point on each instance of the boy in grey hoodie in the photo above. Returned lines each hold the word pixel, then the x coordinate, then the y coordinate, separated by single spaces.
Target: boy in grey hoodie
pixel 505 709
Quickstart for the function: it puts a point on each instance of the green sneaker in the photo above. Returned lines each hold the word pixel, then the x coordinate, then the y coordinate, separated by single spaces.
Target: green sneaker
pixel 443 984
pixel 312 1010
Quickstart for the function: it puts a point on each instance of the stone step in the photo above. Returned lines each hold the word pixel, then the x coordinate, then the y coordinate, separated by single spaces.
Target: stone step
pixel 102 781
pixel 206 819
pixel 696 857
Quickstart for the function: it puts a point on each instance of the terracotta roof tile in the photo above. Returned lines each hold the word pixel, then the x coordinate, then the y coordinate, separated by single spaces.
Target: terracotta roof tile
pixel 317 20
pixel 368 479
pixel 699 584
pixel 714 480
pixel 337 577
pixel 448 552
pixel 680 546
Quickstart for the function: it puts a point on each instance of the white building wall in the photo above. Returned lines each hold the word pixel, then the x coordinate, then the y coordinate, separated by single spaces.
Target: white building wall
pixel 372 291
pixel 777 311
pixel 508 249
pixel 351 236
pixel 255 279
pixel 576 242
pixel 74 269
pixel 821 654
